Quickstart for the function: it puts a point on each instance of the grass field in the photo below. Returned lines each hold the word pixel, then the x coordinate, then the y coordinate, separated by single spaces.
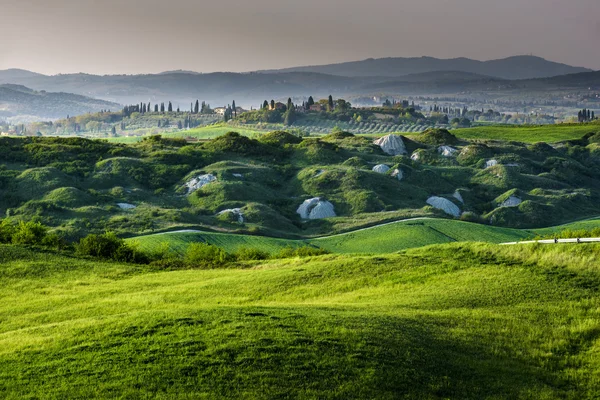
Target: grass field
pixel 417 233
pixel 387 238
pixel 454 321
pixel 213 131
pixel 179 241
pixel 528 134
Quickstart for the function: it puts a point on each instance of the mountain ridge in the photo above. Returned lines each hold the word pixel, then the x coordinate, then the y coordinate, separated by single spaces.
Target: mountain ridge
pixel 515 67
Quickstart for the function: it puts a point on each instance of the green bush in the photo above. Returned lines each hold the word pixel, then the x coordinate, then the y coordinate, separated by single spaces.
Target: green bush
pixel 7 231
pixel 305 251
pixel 202 255
pixel 250 254
pixel 32 233
pixel 110 247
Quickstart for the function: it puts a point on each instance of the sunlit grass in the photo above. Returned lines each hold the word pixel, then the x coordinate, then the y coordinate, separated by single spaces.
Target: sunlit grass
pixel 455 321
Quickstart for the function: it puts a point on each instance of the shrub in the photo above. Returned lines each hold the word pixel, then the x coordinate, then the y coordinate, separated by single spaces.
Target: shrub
pixel 202 255
pixel 54 241
pixel 29 233
pixel 109 246
pixel 101 246
pixel 305 251
pixel 6 231
pixel 250 254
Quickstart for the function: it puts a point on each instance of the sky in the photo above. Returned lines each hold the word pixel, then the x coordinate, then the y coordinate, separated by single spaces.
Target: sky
pixel 149 36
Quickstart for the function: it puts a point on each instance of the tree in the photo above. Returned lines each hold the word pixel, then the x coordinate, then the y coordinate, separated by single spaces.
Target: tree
pixel 289 103
pixel 162 108
pixel 114 131
pixel 272 104
pixel 234 109
pixel 290 116
pixel 265 104
pixel 156 108
pixel 593 116
pixel 343 105
pixel 330 103
pixel 170 109
pixel 310 102
pixel 197 107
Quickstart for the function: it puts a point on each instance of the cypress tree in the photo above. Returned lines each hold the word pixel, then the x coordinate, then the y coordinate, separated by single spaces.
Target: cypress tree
pixel 330 103
pixel 311 101
pixel 197 107
pixel 272 104
pixel 290 117
pixel 170 109
pixel 265 104
pixel 234 109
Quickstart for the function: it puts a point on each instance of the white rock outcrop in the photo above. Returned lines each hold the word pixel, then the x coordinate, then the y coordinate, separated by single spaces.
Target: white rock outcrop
pixel 316 208
pixel 447 151
pixel 512 201
pixel 199 182
pixel 392 145
pixel 445 205
pixel 126 206
pixel 319 173
pixel 491 163
pixel 238 176
pixel 381 168
pixel 237 212
pixel 416 156
pixel 458 197
pixel 398 174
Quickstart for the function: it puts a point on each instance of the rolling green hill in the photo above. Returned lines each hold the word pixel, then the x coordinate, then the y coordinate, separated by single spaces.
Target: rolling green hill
pixel 78 186
pixel 230 242
pixel 455 321
pixel 527 134
pixel 388 238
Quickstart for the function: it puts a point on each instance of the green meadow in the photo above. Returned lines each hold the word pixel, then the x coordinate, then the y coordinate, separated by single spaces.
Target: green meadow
pixel 527 134
pixel 461 321
pixel 386 238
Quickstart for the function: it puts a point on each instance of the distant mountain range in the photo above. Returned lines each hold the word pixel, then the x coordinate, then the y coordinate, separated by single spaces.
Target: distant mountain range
pixel 518 67
pixel 384 77
pixel 16 100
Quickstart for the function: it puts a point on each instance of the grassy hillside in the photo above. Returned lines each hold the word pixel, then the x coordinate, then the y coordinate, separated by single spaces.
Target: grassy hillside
pixel 528 134
pixel 404 235
pixel 230 242
pixel 388 238
pixel 78 186
pixel 455 321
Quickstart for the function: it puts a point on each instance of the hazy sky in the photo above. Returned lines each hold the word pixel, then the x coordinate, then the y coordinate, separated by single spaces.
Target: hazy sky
pixel 131 36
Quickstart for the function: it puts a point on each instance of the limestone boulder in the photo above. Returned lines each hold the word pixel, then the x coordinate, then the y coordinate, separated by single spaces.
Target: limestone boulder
pixel 381 168
pixel 392 145
pixel 445 205
pixel 398 174
pixel 512 201
pixel 447 151
pixel 237 213
pixel 199 182
pixel 316 208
